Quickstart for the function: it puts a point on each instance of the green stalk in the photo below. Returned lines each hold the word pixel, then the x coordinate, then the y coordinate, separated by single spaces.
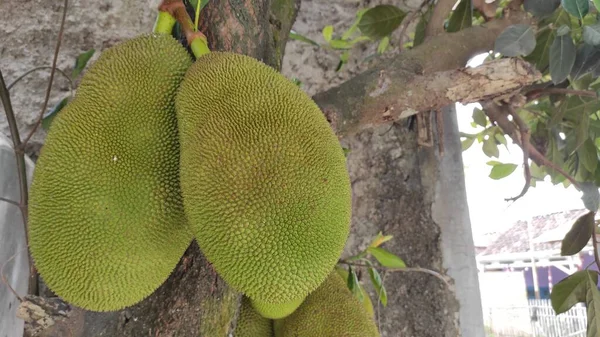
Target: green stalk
pixel 164 23
pixel 199 46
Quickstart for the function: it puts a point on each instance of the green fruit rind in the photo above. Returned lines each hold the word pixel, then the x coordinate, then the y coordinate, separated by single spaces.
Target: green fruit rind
pixel 263 177
pixel 250 323
pixel 276 311
pixel 330 311
pixel 106 220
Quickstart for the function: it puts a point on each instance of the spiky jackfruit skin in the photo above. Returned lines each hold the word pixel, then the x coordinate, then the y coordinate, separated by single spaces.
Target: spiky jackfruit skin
pixel 367 304
pixel 274 311
pixel 264 179
pixel 251 324
pixel 106 220
pixel 330 311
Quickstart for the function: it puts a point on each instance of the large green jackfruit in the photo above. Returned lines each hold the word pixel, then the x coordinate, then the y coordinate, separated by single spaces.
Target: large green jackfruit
pixel 106 220
pixel 250 323
pixel 330 311
pixel 264 180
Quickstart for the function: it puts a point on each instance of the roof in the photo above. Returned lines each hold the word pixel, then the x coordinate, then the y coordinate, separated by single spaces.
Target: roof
pixel 547 232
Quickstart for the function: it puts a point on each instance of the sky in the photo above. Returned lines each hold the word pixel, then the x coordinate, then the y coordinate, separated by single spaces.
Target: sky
pixel 485 196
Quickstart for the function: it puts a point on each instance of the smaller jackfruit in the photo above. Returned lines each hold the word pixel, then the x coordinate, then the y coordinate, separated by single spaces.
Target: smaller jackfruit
pixel 368 305
pixel 330 311
pixel 250 323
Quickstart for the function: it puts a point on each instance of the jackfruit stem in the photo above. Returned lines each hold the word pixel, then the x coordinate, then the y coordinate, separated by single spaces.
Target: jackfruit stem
pixel 164 23
pixel 199 45
pixel 195 39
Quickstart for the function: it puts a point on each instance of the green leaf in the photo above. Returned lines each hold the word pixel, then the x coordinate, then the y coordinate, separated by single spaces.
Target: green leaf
pixel 591 34
pixel 49 116
pixel 465 144
pixel 420 29
pixel 386 258
pixel 493 163
pixel 354 285
pixel 562 58
pixel 302 38
pixel 597 4
pixel 502 170
pixel 383 45
pixel 81 61
pixel 571 290
pixel 537 172
pixel 500 138
pixel 590 197
pixel 340 44
pixel 541 54
pixel 516 40
pixel 592 300
pixel 577 8
pixel 563 30
pixel 203 3
pixel 479 117
pixel 588 155
pixel 381 21
pixel 586 60
pixel 490 148
pixel 378 285
pixel 461 18
pixel 380 239
pixel 343 60
pixel 579 235
pixel 328 33
pixel 541 8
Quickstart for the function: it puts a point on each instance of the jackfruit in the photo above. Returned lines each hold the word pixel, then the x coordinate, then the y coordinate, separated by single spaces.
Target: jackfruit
pixel 250 323
pixel 264 180
pixel 106 220
pixel 330 311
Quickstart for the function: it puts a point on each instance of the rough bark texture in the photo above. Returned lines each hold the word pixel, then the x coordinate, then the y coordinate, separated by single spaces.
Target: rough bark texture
pixel 399 89
pixel 389 196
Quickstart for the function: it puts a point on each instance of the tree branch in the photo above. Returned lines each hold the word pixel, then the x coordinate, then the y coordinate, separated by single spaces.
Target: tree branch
pixel 435 26
pixel 537 93
pixel 51 80
pixel 488 10
pixel 497 115
pixel 405 269
pixel 394 92
pixel 22 76
pixel 22 176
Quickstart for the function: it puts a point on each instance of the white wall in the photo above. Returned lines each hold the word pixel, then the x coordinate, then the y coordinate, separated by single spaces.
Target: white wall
pixel 12 242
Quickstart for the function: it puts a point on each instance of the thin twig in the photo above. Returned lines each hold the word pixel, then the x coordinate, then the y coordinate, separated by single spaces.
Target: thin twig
pixel 22 174
pixel 51 80
pixel 5 281
pixel 537 93
pixel 406 269
pixel 177 9
pixel 496 115
pixel 439 123
pixel 12 202
pixel 525 139
pixel 67 77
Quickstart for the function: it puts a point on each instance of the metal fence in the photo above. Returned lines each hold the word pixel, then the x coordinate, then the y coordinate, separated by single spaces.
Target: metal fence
pixel 536 320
